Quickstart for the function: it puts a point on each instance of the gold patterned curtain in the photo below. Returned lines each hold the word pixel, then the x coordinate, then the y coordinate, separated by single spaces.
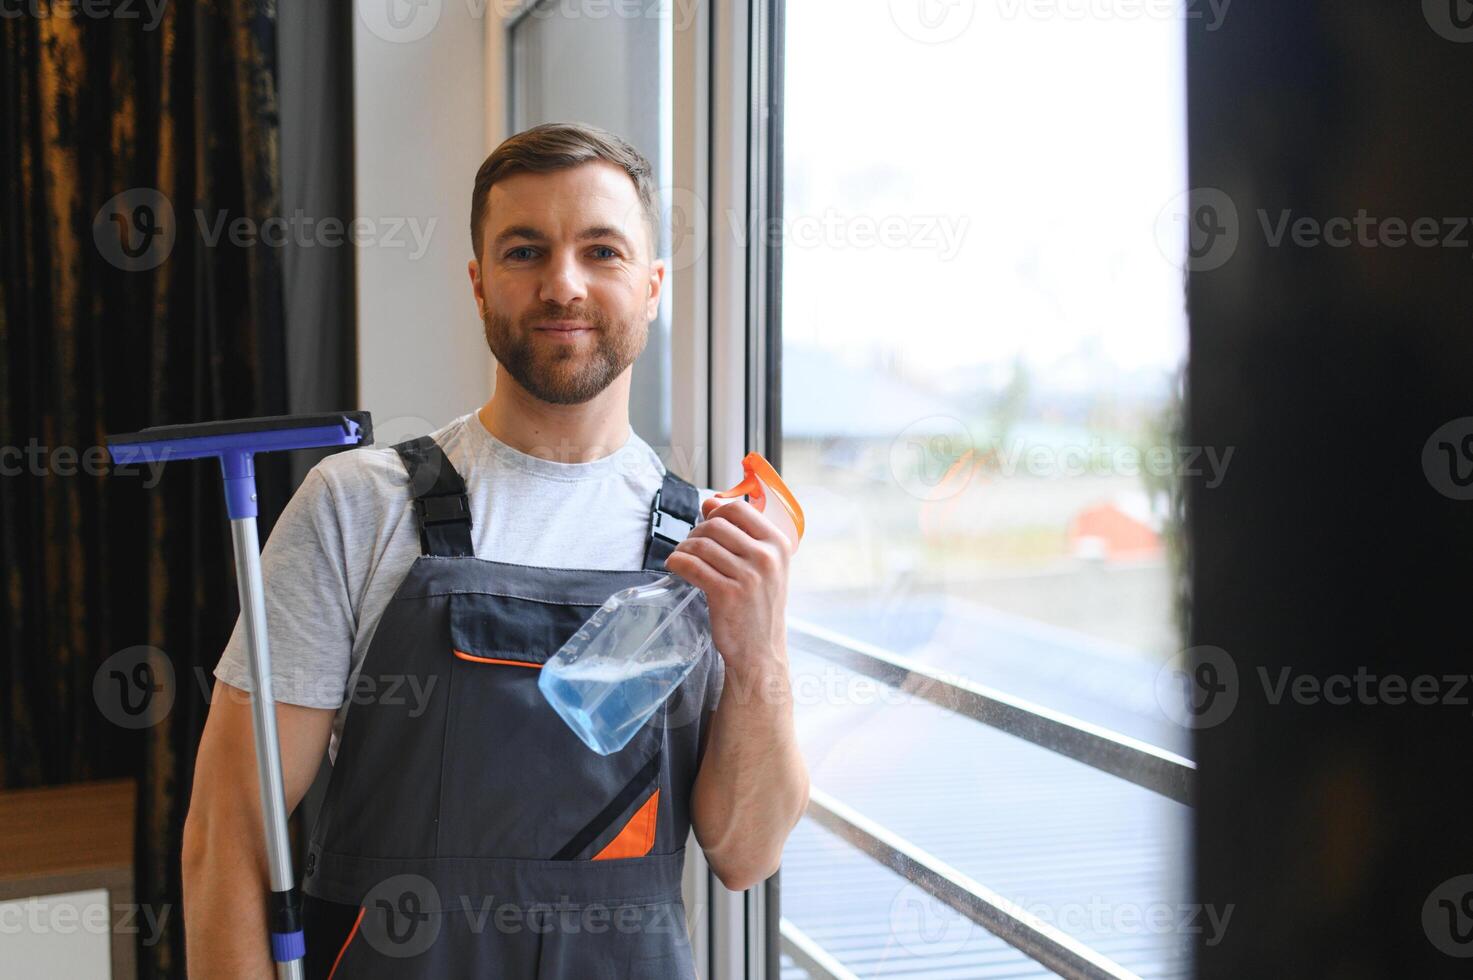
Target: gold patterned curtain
pixel 133 136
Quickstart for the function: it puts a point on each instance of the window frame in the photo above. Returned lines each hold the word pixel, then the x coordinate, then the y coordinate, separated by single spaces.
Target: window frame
pixel 726 387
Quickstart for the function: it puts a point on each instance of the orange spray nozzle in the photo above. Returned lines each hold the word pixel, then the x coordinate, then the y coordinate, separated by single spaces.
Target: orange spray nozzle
pixel 759 482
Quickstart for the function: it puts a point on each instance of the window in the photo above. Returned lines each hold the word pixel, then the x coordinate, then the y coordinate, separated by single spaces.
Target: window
pixel 982 341
pixel 608 65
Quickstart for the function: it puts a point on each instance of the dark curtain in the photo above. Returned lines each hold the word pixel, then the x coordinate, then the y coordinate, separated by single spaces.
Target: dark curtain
pixel 126 145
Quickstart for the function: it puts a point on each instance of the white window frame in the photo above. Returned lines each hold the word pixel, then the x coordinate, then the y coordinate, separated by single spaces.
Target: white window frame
pixel 719 345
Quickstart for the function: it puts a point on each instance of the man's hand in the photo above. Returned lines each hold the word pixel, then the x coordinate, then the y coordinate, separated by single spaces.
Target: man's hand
pixel 740 560
pixel 752 786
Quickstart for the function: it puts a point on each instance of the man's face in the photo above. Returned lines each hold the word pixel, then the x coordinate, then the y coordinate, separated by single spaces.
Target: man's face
pixel 565 280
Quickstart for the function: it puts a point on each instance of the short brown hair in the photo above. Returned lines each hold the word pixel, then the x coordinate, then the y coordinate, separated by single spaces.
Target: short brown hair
pixel 558 146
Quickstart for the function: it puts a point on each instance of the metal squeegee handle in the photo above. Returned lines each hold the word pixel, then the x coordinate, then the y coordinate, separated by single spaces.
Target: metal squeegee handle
pixel 235 443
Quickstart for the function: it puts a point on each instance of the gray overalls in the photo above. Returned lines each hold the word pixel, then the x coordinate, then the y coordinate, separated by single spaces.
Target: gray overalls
pixel 468 832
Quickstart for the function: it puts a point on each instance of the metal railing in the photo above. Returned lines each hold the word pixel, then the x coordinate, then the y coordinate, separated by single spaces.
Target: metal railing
pixel 812 957
pixel 1135 761
pixel 1130 759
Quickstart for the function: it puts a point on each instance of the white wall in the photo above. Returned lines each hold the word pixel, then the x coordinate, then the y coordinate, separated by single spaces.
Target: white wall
pixel 420 119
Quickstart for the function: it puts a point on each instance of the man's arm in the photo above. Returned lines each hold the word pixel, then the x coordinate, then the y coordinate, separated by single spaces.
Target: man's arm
pixel 224 859
pixel 752 786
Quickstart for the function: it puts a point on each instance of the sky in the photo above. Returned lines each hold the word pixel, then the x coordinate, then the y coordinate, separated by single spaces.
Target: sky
pixel 1020 167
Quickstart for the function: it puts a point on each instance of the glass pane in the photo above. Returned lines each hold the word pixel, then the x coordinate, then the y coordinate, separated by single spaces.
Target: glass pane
pixel 983 338
pixel 608 65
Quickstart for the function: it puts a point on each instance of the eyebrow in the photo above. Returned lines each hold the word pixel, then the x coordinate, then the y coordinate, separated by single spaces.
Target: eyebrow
pixel 528 233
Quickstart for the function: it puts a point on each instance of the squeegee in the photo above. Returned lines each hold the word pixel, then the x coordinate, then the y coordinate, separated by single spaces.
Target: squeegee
pixel 235 443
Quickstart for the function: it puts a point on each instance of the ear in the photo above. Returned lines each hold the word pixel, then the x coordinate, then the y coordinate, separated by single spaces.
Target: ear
pixel 477 290
pixel 656 285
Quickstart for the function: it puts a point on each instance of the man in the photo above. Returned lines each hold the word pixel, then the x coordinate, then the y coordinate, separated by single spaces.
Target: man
pixel 413 593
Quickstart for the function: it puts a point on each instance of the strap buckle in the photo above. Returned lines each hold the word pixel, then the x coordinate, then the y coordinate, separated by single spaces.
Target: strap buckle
pixel 443 509
pixel 666 525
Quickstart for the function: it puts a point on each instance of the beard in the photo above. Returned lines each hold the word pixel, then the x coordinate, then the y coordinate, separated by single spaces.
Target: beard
pixel 564 374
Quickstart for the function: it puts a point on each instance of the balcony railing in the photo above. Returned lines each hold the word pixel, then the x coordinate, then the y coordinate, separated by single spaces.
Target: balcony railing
pixel 1145 765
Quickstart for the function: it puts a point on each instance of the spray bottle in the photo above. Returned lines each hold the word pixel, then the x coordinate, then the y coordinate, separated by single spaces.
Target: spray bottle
pixel 622 664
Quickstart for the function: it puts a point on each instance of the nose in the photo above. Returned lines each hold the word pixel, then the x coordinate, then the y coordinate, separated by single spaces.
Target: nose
pixel 563 281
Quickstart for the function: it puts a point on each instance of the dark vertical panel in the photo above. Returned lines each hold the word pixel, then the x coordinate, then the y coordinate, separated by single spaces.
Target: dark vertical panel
pixel 1330 549
pixel 315 59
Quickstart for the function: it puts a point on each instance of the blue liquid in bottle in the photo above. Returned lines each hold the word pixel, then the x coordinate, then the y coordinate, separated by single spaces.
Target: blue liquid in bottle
pixel 615 672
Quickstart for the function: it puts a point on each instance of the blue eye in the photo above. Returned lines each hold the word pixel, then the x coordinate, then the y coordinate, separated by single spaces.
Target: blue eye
pixel 605 248
pixel 513 252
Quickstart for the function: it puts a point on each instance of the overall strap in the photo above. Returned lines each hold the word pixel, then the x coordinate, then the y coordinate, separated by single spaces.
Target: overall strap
pixel 676 507
pixel 439 499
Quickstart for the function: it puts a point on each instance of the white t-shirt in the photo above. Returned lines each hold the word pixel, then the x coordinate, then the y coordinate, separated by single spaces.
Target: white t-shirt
pixel 349 534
